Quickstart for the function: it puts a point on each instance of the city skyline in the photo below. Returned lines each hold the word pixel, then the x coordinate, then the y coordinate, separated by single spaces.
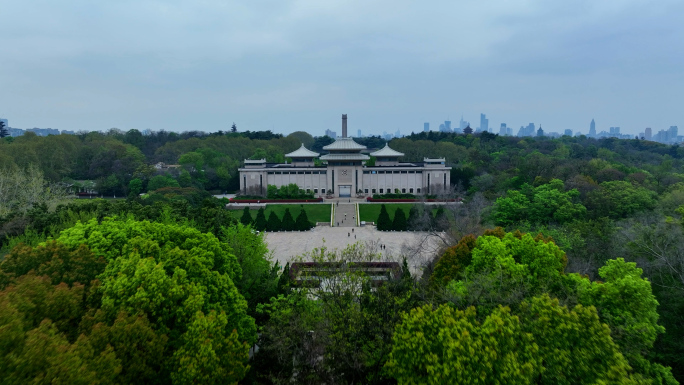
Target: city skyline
pixel 289 66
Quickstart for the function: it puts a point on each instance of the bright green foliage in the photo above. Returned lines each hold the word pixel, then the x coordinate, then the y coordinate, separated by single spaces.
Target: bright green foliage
pixel 274 223
pixel 384 223
pixel 543 204
pixel 302 222
pixel 574 346
pixel 135 186
pixel 260 221
pixel 168 272
pixel 209 354
pixel 399 223
pixel 288 223
pixel 626 303
pixel 246 218
pixel 447 346
pixel 161 181
pixel 259 276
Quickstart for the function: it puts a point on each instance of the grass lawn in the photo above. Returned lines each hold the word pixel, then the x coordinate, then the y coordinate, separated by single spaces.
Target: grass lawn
pixel 315 212
pixel 369 212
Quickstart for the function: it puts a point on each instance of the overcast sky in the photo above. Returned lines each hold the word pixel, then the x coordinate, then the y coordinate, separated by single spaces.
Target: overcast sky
pixel 298 65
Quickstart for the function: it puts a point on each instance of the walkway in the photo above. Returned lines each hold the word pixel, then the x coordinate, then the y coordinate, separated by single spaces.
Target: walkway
pixel 345 214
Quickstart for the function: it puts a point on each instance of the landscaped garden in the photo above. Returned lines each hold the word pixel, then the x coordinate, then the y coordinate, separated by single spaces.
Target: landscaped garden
pixel 315 212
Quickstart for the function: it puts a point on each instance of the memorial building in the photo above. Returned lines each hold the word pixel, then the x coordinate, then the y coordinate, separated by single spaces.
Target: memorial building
pixel 344 173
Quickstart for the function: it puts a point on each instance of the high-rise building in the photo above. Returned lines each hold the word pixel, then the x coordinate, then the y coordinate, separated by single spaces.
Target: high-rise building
pixel 672 134
pixel 568 132
pixel 503 130
pixel 397 134
pixel 441 128
pixel 527 131
pixel 592 128
pixel 648 134
pixel 358 133
pixel 463 124
pixel 331 133
pixel 509 131
pixel 447 125
pixel 484 123
pixel 426 127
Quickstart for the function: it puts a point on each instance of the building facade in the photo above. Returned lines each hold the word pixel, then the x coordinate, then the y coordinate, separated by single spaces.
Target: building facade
pixel 344 172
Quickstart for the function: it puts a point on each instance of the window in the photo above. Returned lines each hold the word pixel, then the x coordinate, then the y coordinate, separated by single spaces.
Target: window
pixel 404 172
pixel 403 191
pixel 418 190
pixel 315 191
pixel 411 190
pixel 308 172
pixel 366 172
pixel 278 172
pixel 382 191
pixel 308 190
pixel 270 173
pixel 300 172
pixel 374 172
pixel 373 191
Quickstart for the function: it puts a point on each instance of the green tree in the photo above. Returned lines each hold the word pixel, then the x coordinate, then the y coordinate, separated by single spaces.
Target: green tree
pixel 161 181
pixel 302 222
pixel 384 223
pixel 260 222
pixel 399 223
pixel 274 223
pixel 288 223
pixel 447 346
pixel 246 218
pixel 3 130
pixel 209 354
pixel 135 187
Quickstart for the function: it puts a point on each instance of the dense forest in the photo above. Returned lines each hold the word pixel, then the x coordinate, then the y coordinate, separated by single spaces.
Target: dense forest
pixel 563 264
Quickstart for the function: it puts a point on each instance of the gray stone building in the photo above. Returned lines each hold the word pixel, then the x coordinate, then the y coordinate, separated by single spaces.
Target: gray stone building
pixel 344 172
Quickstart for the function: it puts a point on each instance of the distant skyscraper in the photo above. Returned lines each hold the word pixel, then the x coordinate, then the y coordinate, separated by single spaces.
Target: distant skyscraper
pixel 331 133
pixel 484 123
pixel 527 131
pixel 568 132
pixel 463 124
pixel 358 133
pixel 648 134
pixel 592 128
pixel 447 125
pixel 397 134
pixel 672 134
pixel 441 128
pixel 503 130
pixel 426 127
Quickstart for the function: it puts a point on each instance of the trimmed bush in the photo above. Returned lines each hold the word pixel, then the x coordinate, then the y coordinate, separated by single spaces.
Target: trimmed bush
pixel 384 223
pixel 288 223
pixel 260 222
pixel 399 223
pixel 303 223
pixel 274 223
pixel 246 217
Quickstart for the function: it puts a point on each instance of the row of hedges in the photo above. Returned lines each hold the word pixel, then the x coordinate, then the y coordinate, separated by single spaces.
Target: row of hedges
pixel 262 200
pixel 288 223
pixel 415 221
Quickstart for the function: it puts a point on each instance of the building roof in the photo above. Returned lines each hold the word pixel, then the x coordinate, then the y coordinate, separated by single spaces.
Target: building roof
pixel 340 157
pixel 255 161
pixel 386 152
pixel 341 144
pixel 302 152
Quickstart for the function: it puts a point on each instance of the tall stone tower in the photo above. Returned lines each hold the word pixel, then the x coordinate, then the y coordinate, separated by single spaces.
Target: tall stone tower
pixel 344 125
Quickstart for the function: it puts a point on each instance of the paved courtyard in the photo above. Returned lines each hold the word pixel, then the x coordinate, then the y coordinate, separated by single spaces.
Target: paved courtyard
pixel 416 246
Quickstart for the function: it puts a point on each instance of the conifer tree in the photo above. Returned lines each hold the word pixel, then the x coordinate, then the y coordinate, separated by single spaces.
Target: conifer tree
pixel 303 223
pixel 3 130
pixel 260 221
pixel 246 217
pixel 399 223
pixel 384 222
pixel 412 221
pixel 441 223
pixel 288 223
pixel 274 223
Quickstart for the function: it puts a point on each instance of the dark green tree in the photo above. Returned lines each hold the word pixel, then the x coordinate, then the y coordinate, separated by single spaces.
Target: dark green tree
pixel 288 223
pixel 440 222
pixel 3 130
pixel 412 221
pixel 260 222
pixel 246 217
pixel 303 223
pixel 384 222
pixel 399 223
pixel 274 223
pixel 233 128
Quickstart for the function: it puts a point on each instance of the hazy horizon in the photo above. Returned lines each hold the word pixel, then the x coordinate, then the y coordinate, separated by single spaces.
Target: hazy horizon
pixel 298 65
